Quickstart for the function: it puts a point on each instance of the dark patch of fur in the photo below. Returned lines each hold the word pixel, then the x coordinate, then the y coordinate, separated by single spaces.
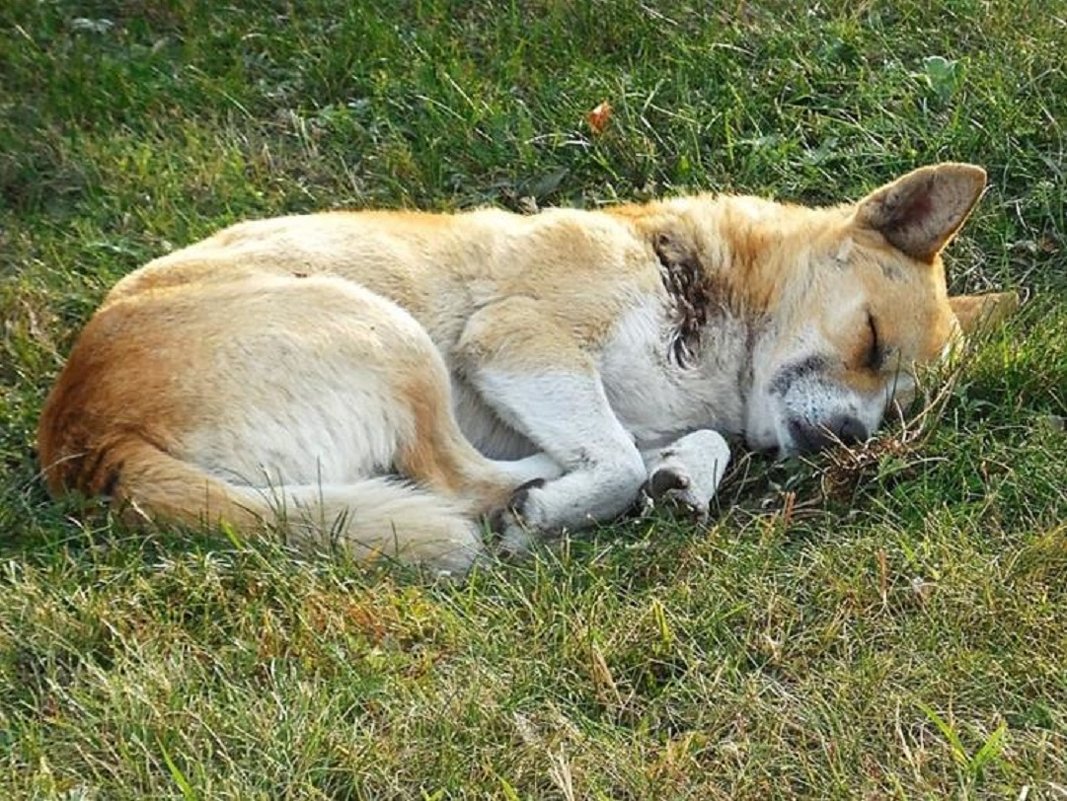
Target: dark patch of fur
pixel 664 480
pixel 512 511
pixel 522 493
pixel 791 373
pixel 691 295
pixel 111 483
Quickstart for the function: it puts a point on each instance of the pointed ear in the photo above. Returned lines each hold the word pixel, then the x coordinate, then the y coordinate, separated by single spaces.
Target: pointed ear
pixel 922 211
pixel 975 311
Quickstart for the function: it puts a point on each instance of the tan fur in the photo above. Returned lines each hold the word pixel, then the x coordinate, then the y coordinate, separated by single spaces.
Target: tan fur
pixel 372 344
pixel 974 311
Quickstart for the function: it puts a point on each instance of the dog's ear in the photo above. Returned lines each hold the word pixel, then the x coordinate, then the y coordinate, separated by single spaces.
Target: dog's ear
pixel 922 211
pixel 975 311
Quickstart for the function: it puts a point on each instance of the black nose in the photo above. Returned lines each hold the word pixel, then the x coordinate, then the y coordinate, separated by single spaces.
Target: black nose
pixel 849 429
pixel 841 428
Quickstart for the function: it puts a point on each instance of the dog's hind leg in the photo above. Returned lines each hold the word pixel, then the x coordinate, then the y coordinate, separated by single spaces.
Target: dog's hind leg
pixel 309 402
pixel 441 458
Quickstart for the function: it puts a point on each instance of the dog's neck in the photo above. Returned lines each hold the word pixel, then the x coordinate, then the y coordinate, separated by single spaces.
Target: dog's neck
pixel 723 293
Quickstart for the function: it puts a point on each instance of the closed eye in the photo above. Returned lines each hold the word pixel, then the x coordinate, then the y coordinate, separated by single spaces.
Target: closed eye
pixel 874 353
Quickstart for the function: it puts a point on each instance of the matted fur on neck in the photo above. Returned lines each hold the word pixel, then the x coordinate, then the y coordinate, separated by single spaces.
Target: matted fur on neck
pixel 689 290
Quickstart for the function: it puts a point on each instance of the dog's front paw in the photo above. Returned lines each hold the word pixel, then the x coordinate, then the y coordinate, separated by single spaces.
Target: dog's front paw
pixel 672 486
pixel 686 475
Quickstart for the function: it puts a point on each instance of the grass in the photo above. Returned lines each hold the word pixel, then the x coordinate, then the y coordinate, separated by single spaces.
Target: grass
pixel 886 625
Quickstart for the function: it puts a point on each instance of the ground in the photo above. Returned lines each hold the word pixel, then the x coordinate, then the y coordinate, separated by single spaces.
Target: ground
pixel 890 623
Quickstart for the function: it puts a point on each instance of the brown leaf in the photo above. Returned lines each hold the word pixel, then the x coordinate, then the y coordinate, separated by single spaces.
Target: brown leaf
pixel 599 117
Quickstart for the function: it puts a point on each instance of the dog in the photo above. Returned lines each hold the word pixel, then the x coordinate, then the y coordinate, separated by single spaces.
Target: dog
pixel 387 379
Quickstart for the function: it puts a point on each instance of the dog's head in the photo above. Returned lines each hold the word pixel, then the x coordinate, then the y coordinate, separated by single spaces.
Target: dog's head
pixel 863 301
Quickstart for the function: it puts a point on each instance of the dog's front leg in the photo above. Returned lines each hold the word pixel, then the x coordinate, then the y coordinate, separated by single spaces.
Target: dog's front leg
pixel 540 381
pixel 688 471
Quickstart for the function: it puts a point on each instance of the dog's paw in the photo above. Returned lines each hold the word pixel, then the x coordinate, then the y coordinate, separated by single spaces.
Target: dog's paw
pixel 671 486
pixel 686 475
pixel 514 524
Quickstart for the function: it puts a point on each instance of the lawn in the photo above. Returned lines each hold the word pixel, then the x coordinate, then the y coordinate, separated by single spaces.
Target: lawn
pixel 887 623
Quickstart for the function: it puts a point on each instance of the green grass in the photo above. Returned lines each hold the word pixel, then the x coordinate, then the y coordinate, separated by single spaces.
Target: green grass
pixel 890 625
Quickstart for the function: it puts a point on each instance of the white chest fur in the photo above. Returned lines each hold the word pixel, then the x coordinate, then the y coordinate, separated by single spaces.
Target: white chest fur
pixel 658 400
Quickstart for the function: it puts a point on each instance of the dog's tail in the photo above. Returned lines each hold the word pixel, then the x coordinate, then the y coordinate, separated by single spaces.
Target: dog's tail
pixel 372 517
